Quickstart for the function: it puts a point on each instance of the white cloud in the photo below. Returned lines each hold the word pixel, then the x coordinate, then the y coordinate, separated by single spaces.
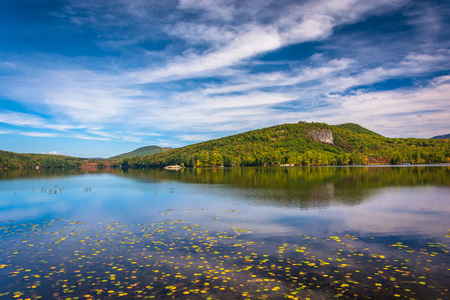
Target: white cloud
pixel 202 33
pixel 312 27
pixel 195 137
pixel 212 9
pixel 86 137
pixel 5 132
pixel 413 112
pixel 30 120
pixel 130 138
pixel 85 97
pixel 30 133
pixel 250 100
pixel 279 79
pixel 250 41
pixel 231 45
pixel 39 134
pixel 54 153
pixel 7 65
pixel 144 134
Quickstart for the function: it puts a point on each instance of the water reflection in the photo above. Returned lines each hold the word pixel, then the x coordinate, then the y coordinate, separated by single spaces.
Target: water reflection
pixel 262 233
pixel 299 177
pixel 315 187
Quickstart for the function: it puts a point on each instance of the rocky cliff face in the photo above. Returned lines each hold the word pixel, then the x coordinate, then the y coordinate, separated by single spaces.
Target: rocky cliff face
pixel 323 136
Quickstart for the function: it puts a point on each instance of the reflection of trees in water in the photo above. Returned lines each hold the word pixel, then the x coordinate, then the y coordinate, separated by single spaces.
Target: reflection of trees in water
pixel 271 177
pixel 300 177
pixel 295 186
pixel 304 187
pixel 42 173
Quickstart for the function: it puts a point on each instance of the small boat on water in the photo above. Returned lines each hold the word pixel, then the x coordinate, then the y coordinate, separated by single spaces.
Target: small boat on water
pixel 173 167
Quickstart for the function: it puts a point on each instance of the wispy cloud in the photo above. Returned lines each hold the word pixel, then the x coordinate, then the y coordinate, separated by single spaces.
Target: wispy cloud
pixel 195 137
pixel 30 133
pixel 408 112
pixel 39 134
pixel 32 120
pixel 230 45
pixel 53 153
pixel 245 43
pixel 5 131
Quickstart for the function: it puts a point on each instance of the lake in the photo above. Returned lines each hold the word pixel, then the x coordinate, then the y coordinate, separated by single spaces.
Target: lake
pixel 228 233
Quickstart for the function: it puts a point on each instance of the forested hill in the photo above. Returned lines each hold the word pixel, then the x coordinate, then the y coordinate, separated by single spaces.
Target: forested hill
pixel 301 144
pixel 297 144
pixel 440 137
pixel 357 129
pixel 12 160
pixel 143 151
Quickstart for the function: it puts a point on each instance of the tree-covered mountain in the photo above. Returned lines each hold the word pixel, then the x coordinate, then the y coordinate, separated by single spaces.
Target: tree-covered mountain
pixel 143 151
pixel 357 129
pixel 442 137
pixel 301 144
pixel 12 160
pixel 298 144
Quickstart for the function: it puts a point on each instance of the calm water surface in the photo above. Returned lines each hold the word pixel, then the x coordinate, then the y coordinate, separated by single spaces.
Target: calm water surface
pixel 233 233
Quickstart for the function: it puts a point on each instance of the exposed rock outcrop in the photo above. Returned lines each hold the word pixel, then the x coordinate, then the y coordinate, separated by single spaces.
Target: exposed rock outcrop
pixel 323 136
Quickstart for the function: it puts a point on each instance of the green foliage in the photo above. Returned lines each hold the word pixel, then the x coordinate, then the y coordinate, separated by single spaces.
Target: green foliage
pixel 291 144
pixel 11 160
pixel 357 128
pixel 282 144
pixel 143 151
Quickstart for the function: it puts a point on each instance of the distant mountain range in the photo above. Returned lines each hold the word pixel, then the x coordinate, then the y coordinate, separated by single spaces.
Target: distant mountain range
pixel 442 137
pixel 143 151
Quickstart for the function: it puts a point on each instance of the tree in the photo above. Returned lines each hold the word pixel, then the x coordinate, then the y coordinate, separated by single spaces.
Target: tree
pixel 217 159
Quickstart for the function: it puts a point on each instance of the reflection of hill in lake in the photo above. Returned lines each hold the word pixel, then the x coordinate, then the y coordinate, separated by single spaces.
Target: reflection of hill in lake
pixel 302 187
pixel 301 177
pixel 43 173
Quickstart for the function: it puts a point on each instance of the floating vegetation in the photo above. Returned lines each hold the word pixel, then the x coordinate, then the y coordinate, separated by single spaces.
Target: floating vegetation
pixel 63 259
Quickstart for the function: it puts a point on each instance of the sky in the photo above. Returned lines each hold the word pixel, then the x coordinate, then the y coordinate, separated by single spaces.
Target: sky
pixel 96 78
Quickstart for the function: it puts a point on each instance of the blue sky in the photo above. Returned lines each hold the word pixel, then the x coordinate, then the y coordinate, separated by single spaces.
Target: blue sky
pixel 95 78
